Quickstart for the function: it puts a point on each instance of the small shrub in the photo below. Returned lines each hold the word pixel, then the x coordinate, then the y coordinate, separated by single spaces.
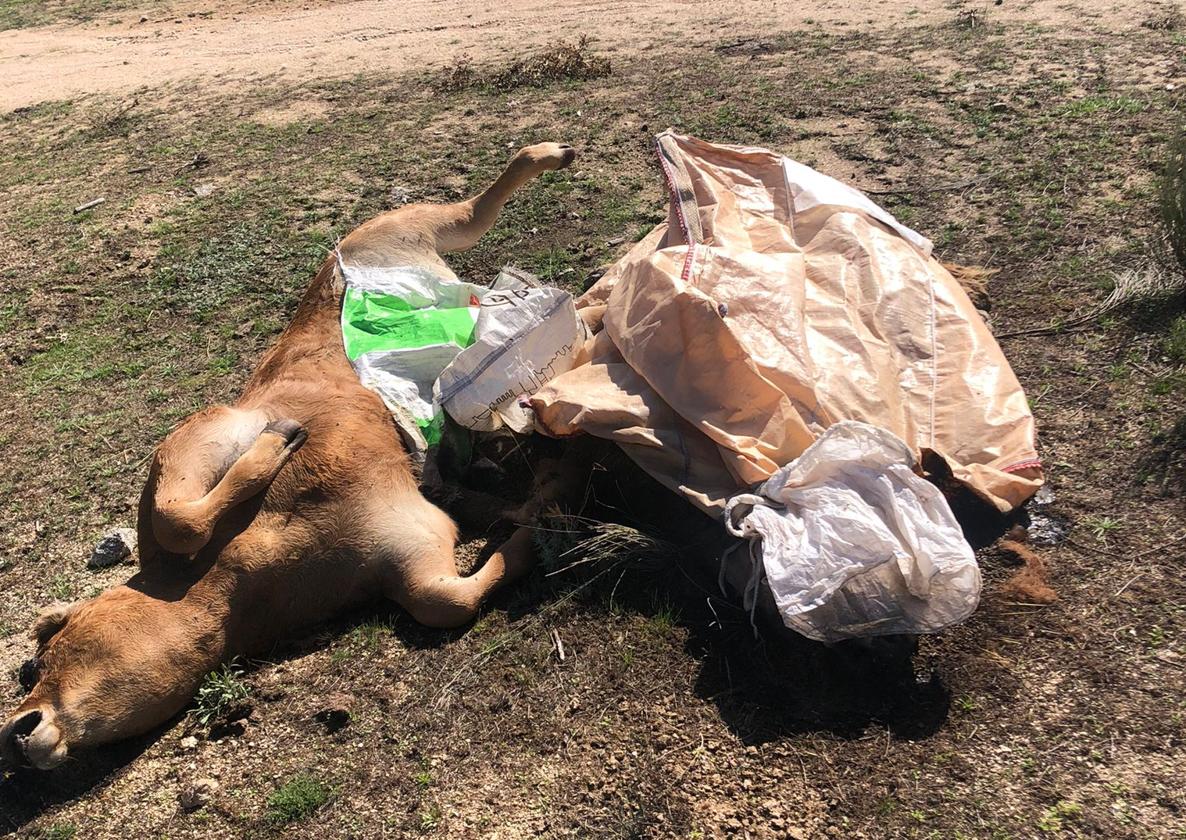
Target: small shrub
pixel 558 62
pixel 296 799
pixel 461 75
pixel 220 691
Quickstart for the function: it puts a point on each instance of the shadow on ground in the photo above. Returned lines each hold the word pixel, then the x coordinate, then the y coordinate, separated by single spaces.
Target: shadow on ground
pixel 25 793
pixel 765 681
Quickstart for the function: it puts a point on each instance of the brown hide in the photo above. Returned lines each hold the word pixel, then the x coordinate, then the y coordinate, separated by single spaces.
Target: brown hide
pixel 268 516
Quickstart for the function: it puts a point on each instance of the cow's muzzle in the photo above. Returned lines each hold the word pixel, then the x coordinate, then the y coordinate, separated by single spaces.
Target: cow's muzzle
pixel 32 739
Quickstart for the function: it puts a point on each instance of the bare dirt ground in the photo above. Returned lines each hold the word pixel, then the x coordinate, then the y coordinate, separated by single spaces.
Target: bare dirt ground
pixel 149 44
pixel 239 140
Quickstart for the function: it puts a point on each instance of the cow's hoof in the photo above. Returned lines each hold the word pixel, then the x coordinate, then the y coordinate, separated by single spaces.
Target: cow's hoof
pixel 550 156
pixel 294 433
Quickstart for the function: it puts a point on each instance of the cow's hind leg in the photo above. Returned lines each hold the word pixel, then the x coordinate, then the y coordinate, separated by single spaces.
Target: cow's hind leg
pixel 218 459
pixel 421 573
pixel 416 234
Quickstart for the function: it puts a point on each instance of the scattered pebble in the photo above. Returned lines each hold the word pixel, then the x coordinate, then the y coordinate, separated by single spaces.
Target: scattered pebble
pixel 194 796
pixel 115 547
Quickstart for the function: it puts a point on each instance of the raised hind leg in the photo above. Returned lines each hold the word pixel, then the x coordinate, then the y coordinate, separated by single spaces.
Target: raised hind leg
pixel 218 459
pixel 418 233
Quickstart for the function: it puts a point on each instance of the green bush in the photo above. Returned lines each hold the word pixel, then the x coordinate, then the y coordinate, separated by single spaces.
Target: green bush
pixel 219 692
pixel 296 799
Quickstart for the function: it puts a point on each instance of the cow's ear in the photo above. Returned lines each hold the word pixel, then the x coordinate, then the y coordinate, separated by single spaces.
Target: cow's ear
pixel 52 619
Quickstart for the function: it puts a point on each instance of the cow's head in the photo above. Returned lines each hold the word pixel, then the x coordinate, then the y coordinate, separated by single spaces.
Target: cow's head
pixel 104 669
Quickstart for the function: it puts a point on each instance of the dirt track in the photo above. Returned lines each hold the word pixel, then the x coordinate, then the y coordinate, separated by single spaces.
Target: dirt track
pixel 183 42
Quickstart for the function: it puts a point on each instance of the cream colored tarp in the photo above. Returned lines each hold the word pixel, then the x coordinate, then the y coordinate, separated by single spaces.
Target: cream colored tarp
pixel 774 303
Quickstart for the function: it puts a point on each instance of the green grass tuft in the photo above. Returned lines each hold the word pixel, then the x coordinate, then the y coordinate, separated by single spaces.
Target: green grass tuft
pixel 297 799
pixel 1175 341
pixel 219 692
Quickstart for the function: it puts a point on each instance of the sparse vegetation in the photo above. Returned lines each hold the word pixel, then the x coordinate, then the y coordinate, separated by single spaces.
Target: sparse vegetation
pixel 1175 341
pixel 61 587
pixel 297 799
pixel 1054 820
pixel 430 817
pixel 220 692
pixel 1173 198
pixel 1101 526
pixel 562 61
pixel 567 542
pixel 664 618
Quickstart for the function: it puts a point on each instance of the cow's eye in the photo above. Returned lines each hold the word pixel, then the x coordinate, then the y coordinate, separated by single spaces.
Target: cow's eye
pixel 30 670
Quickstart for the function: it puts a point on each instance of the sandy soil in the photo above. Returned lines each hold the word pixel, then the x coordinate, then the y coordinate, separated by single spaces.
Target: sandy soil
pixel 251 41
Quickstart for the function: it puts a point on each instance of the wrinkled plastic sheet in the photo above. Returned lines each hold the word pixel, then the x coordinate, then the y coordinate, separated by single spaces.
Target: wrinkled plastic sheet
pixel 776 303
pixel 854 543
pixel 428 343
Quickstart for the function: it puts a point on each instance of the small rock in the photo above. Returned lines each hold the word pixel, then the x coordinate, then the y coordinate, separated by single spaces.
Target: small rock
pixel 189 742
pixel 244 329
pixel 144 18
pixel 113 548
pixel 194 796
pixel 203 190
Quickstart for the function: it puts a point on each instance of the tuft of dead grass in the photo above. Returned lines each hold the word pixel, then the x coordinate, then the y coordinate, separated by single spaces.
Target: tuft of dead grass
pixel 1173 198
pixel 565 542
pixel 558 62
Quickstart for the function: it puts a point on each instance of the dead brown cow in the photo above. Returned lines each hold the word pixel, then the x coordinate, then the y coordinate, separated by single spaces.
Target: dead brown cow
pixel 271 515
